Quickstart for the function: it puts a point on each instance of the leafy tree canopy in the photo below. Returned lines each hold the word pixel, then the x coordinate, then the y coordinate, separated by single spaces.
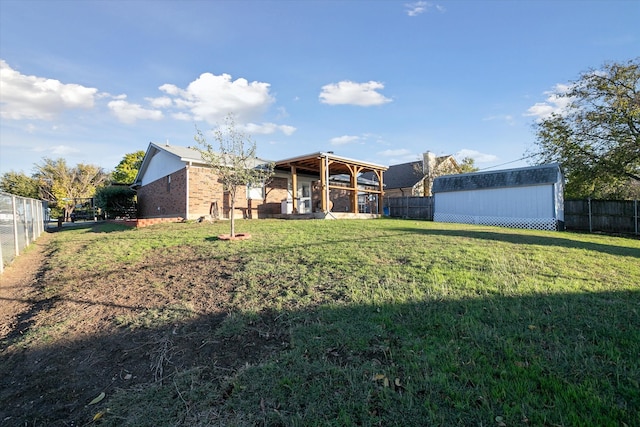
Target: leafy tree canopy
pixel 596 136
pixel 467 165
pixel 234 161
pixel 19 184
pixel 63 184
pixel 127 169
pixel 116 201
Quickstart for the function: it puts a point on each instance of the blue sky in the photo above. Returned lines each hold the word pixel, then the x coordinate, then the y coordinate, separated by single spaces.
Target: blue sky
pixel 379 81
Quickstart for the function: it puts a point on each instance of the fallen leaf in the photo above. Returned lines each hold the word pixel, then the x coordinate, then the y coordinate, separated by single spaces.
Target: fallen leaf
pixel 97 416
pixel 386 382
pixel 397 382
pixel 378 377
pixel 97 399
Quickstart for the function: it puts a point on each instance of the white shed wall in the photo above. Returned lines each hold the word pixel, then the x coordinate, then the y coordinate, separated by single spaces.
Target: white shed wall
pixel 521 207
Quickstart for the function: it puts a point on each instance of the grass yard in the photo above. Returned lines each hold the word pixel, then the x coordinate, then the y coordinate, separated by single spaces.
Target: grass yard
pixel 380 322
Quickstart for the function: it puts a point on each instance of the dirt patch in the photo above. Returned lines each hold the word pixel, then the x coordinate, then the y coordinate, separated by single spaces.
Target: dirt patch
pixel 66 336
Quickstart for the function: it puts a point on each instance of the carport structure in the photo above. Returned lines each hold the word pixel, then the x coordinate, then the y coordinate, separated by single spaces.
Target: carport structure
pixel 325 164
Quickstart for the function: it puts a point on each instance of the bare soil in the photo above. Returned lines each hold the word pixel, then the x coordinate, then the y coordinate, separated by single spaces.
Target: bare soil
pixel 66 336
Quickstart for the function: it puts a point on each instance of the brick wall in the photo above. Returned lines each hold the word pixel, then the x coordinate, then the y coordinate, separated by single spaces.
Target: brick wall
pixel 164 197
pixel 276 192
pixel 205 191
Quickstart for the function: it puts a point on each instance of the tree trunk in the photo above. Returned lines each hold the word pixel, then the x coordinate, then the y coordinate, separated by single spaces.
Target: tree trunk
pixel 232 216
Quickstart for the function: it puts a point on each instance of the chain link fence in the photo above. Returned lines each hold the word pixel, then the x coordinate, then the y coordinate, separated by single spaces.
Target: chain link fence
pixel 22 221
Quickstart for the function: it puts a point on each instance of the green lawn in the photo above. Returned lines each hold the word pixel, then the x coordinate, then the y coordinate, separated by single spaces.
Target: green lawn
pixel 387 322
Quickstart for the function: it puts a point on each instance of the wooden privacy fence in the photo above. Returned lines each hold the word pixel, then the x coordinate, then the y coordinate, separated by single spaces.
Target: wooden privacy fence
pixel 409 207
pixel 619 216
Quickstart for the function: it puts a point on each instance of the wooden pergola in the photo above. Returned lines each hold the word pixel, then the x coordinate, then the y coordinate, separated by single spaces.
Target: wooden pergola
pixel 326 164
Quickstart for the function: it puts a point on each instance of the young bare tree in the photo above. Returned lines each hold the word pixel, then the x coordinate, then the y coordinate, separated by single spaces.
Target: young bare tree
pixel 234 161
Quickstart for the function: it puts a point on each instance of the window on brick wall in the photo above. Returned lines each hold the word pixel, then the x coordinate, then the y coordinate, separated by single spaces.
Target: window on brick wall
pixel 169 184
pixel 255 192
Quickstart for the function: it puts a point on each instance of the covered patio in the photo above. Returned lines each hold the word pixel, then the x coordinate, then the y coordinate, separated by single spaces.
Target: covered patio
pixel 323 165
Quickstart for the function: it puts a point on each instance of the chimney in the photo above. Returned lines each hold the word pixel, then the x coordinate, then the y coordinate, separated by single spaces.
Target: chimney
pixel 428 162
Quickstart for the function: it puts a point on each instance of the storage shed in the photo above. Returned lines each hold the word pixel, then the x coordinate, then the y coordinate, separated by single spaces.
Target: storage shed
pixel 531 197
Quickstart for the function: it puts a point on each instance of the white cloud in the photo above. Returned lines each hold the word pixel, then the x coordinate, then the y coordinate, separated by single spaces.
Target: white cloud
pixel 395 153
pixel 555 103
pixel 211 98
pixel 268 128
pixel 420 7
pixel 160 102
pixel 129 113
pixel 344 139
pixel 351 93
pixel 475 155
pixel 507 118
pixel 181 116
pixel 39 98
pixel 56 150
pixel 397 156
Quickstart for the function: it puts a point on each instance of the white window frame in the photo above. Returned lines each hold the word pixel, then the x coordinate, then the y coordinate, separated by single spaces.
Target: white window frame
pixel 255 192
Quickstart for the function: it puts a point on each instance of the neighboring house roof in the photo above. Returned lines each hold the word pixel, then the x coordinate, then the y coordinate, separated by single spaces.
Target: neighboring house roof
pixel 403 175
pixel 534 175
pixel 407 175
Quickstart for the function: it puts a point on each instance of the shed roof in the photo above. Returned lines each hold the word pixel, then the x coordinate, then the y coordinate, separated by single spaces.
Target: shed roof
pixel 533 175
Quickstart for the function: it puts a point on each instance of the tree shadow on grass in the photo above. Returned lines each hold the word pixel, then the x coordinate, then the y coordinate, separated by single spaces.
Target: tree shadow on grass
pixel 528 239
pixel 567 359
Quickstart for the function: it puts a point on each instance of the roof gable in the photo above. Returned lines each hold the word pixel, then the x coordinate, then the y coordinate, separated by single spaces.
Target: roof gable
pixel 534 175
pixel 403 175
pixel 162 160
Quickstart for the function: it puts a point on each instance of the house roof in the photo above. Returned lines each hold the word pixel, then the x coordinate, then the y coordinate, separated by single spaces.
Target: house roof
pixel 534 175
pixel 186 155
pixel 403 175
pixel 338 164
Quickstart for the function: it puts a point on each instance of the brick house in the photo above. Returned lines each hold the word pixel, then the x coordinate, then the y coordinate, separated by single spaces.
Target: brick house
pixel 175 183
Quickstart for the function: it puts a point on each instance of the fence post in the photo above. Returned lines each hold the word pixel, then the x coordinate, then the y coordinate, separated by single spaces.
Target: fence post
pixel 635 205
pixel 14 211
pixel 406 210
pixel 590 224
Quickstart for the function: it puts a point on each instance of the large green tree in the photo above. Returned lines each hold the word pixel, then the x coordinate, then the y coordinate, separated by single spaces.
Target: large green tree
pixel 65 185
pixel 19 184
pixel 127 169
pixel 468 165
pixel 234 161
pixel 596 136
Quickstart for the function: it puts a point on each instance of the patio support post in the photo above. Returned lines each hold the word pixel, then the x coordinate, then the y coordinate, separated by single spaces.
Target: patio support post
pixel 294 189
pixel 381 193
pixel 354 187
pixel 323 184
pixel 326 183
